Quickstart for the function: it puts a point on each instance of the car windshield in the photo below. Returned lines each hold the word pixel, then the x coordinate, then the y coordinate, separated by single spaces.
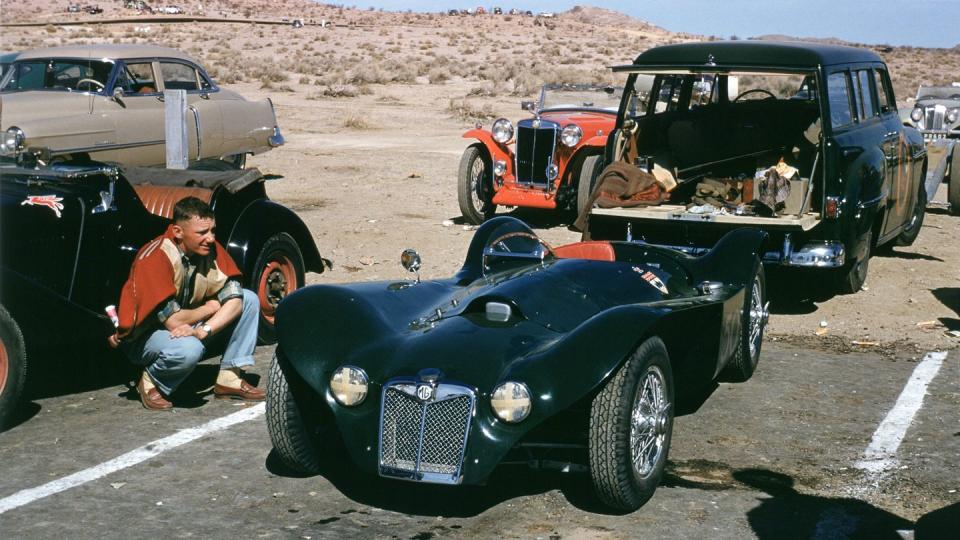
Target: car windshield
pixel 580 96
pixel 58 74
pixel 938 92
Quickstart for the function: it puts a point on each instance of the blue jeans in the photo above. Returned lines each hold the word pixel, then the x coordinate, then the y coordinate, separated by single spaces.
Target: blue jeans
pixel 170 360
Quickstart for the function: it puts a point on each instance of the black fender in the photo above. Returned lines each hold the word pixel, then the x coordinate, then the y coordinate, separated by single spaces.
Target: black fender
pixel 263 219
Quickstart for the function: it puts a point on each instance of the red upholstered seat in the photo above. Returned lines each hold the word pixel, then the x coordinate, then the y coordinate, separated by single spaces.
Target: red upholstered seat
pixel 594 250
pixel 159 200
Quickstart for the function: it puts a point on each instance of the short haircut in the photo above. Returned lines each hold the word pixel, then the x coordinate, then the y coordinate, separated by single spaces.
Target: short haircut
pixel 191 207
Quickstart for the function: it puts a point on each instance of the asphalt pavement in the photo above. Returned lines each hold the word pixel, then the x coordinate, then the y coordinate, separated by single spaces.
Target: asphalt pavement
pixel 777 457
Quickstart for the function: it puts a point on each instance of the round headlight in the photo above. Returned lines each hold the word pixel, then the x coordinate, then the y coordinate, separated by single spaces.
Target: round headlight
pixel 916 114
pixel 502 130
pixel 13 139
pixel 511 401
pixel 571 135
pixel 952 115
pixel 349 385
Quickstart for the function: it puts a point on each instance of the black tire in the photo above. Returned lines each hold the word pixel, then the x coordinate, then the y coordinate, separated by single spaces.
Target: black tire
pixel 279 270
pixel 752 323
pixel 853 275
pixel 589 172
pixel 13 366
pixel 617 481
pixel 475 185
pixel 953 187
pixel 294 435
pixel 915 223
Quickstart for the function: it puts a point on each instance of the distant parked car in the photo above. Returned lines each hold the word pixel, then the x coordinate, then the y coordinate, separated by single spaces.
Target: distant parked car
pixel 93 10
pixel 497 11
pixel 480 11
pixel 542 166
pixel 6 60
pixel 936 113
pixel 514 11
pixel 105 103
pixel 73 8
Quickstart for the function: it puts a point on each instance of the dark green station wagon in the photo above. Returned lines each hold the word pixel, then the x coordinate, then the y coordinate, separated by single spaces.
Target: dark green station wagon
pixel 801 140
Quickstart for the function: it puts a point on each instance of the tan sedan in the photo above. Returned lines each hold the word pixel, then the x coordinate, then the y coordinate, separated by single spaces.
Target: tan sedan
pixel 105 102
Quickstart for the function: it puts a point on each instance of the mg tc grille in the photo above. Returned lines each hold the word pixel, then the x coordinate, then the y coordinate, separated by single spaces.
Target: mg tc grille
pixel 933 117
pixel 424 439
pixel 535 146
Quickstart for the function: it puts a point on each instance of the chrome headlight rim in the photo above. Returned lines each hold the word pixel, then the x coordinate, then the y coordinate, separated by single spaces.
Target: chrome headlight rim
pixel 13 139
pixel 502 130
pixel 916 114
pixel 345 383
pixel 571 135
pixel 510 402
pixel 953 115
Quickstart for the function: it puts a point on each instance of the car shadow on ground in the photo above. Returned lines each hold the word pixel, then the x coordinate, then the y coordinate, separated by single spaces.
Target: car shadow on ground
pixel 892 253
pixel 793 292
pixel 950 298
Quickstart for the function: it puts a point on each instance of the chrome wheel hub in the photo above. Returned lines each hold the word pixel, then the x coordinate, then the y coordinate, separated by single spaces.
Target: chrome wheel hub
pixel 759 313
pixel 649 422
pixel 276 287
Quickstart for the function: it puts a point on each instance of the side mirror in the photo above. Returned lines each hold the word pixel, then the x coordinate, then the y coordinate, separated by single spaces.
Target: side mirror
pixel 410 260
pixel 118 96
pixel 528 105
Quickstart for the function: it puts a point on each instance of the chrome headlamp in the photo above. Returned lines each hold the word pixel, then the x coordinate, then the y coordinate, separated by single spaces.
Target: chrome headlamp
pixel 502 130
pixel 511 401
pixel 349 385
pixel 12 141
pixel 916 114
pixel 952 115
pixel 571 135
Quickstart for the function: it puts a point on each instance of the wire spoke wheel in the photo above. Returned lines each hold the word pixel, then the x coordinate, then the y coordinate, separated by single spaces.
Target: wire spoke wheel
pixel 648 423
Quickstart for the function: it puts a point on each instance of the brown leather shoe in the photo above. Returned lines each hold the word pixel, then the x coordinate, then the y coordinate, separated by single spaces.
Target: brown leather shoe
pixel 152 399
pixel 245 392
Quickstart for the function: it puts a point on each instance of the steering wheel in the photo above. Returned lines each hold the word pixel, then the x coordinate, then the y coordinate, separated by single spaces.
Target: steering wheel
pixel 523 234
pixel 756 91
pixel 93 81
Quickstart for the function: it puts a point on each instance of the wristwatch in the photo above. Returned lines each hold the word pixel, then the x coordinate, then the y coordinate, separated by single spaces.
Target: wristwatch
pixel 208 329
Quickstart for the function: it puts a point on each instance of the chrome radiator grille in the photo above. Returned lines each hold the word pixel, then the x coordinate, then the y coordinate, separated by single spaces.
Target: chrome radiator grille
pixel 424 440
pixel 933 117
pixel 535 147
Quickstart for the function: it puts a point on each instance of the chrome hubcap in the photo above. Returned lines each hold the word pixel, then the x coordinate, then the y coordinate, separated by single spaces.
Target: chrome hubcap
pixel 649 422
pixel 759 313
pixel 276 287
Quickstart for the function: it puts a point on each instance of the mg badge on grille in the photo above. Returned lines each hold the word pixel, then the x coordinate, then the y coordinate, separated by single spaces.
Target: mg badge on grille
pixel 535 123
pixel 424 392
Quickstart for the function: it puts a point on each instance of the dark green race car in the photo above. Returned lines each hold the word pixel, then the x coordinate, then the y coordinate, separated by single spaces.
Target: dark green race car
pixel 580 351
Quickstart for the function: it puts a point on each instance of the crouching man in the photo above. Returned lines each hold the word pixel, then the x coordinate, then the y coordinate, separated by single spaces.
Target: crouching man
pixel 183 297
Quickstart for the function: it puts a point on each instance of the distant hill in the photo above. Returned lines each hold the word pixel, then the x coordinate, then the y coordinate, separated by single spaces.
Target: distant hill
pixel 608 17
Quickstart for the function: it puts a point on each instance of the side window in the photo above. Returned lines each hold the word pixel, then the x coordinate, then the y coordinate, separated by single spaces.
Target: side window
pixel 669 96
pixel 885 99
pixel 867 108
pixel 179 76
pixel 838 92
pixel 140 76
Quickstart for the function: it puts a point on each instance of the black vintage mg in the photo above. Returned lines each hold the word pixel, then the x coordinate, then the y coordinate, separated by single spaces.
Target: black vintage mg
pixel 68 235
pixel 528 353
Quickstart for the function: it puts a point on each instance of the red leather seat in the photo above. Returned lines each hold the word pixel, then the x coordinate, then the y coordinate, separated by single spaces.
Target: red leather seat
pixel 159 200
pixel 594 250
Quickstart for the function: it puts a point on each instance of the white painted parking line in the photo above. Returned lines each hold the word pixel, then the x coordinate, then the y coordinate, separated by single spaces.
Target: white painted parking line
pixel 129 459
pixel 880 456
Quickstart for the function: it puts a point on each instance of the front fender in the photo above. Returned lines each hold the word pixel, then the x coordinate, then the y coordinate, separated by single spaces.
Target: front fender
pixel 251 232
pixel 496 150
pixel 597 141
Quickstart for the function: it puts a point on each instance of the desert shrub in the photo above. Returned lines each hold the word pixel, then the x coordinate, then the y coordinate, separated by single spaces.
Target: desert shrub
pixel 464 110
pixel 438 75
pixel 355 122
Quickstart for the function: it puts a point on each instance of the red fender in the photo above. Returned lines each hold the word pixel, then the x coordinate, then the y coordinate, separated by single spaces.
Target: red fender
pixel 496 150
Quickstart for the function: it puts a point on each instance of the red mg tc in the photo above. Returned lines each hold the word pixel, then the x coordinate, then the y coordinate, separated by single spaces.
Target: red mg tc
pixel 544 160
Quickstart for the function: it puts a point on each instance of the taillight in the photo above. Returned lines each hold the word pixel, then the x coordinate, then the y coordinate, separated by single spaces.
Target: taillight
pixel 832 208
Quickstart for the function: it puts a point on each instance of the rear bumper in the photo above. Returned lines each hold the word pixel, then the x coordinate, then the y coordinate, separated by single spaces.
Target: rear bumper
pixel 819 254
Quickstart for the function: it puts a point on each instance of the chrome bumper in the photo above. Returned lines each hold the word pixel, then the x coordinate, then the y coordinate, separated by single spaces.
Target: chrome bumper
pixel 276 139
pixel 822 254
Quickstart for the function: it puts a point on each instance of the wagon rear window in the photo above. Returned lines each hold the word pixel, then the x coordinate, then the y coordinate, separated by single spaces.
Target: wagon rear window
pixel 56 74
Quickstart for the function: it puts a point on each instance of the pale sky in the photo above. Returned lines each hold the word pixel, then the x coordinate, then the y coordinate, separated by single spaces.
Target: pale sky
pixel 921 23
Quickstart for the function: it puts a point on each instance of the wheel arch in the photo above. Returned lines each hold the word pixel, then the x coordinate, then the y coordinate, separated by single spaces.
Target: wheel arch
pixel 249 236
